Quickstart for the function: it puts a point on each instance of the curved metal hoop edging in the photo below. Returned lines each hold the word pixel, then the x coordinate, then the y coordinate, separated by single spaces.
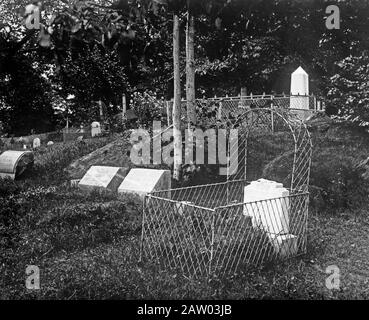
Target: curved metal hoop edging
pixel 300 171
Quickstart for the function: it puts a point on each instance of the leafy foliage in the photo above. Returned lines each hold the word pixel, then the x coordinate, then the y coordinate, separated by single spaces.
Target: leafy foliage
pixel 147 108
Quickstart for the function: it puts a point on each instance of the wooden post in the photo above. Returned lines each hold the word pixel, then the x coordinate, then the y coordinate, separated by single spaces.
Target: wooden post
pixel 169 112
pixel 190 67
pixel 101 110
pixel 220 110
pixel 124 106
pixel 272 114
pixel 243 94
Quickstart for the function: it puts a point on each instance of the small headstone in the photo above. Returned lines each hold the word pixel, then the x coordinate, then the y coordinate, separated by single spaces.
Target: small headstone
pixel 50 143
pixel 102 177
pixel 80 138
pixel 95 129
pixel 267 214
pixel 36 143
pixel 143 181
pixel 267 203
pixel 14 163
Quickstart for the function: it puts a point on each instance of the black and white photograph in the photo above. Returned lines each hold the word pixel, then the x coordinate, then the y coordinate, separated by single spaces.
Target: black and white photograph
pixel 184 154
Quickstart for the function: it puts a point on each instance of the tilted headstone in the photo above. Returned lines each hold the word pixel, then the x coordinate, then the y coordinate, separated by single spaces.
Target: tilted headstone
pixel 36 143
pixel 299 89
pixel 270 215
pixel 95 129
pixel 143 181
pixel 14 163
pixel 267 203
pixel 103 178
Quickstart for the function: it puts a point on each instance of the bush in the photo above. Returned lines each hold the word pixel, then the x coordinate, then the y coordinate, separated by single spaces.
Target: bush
pixel 337 181
pixel 147 108
pixel 51 161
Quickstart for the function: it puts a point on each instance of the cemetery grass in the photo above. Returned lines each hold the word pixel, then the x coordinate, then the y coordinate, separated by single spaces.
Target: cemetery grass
pixel 87 246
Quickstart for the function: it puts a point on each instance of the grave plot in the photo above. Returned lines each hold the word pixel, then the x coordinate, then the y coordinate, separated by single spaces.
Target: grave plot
pixel 223 227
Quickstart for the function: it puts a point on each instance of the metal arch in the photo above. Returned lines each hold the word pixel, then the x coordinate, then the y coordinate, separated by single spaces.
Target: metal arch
pixel 300 171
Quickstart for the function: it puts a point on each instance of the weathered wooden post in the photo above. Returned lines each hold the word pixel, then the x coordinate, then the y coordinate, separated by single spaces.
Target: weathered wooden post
pixel 243 95
pixel 219 115
pixel 271 113
pixel 169 112
pixel 124 106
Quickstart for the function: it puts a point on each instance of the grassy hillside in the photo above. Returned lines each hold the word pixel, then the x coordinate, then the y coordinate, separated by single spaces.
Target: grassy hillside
pixel 87 246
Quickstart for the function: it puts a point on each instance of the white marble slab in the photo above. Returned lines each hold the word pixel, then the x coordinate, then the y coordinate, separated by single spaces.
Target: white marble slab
pixel 102 177
pixel 143 181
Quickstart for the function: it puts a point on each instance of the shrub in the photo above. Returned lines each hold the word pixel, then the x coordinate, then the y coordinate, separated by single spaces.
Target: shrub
pixel 337 180
pixel 147 108
pixel 51 161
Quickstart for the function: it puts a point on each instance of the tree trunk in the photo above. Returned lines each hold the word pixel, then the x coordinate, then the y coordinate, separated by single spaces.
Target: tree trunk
pixel 177 102
pixel 190 68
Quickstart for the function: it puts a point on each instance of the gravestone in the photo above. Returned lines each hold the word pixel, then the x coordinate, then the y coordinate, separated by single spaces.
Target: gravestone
pixel 14 163
pixel 103 178
pixel 270 215
pixel 95 129
pixel 50 143
pixel 267 203
pixel 80 138
pixel 143 181
pixel 36 143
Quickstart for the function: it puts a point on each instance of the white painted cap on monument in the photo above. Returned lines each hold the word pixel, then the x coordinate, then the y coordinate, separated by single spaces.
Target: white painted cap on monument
pixel 300 82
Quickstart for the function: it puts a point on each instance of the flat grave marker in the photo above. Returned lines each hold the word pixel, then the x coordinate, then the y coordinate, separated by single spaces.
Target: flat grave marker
pixel 102 177
pixel 143 181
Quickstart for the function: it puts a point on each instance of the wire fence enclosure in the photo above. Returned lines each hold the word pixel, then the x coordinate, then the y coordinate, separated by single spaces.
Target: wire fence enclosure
pixel 217 228
pixel 229 107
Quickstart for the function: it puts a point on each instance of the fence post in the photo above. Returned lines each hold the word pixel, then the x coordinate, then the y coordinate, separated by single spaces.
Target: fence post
pixel 212 240
pixel 101 110
pixel 243 94
pixel 143 230
pixel 220 110
pixel 169 112
pixel 271 112
pixel 124 106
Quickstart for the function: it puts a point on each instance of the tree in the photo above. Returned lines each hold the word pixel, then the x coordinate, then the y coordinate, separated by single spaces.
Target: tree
pixel 349 92
pixel 190 65
pixel 177 100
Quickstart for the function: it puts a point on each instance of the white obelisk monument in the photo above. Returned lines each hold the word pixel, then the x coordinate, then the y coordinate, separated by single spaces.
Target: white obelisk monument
pixel 299 89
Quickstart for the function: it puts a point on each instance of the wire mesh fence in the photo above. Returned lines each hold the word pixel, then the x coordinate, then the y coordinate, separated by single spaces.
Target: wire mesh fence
pixel 216 228
pixel 200 241
pixel 225 108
